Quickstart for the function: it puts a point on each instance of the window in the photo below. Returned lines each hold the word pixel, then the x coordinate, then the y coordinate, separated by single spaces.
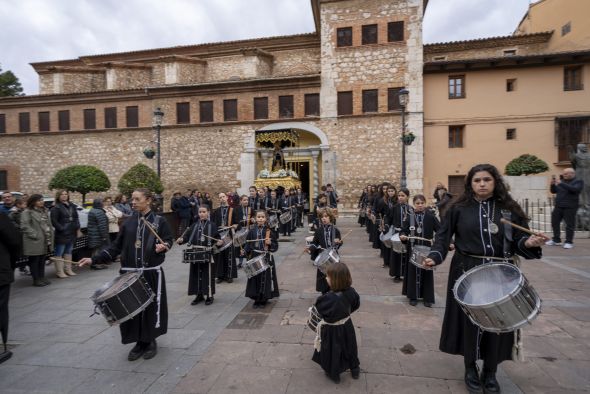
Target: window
pixel 344 37
pixel 439 58
pixel 393 99
pixel 456 184
pixel 569 132
pixel 344 103
pixel 370 100
pixel 456 136
pixel 395 31
pixel 510 52
pixel 566 28
pixel 2 125
pixel 43 121
pixel 510 85
pixel 206 111
pixel 110 118
pixel 63 120
pixel 312 104
pixel 572 78
pixel 132 116
pixel 369 34
pixel 24 122
pixel 260 107
pixel 183 113
pixel 89 119
pixel 456 86
pixel 285 106
pixel 3 180
pixel 510 134
pixel 230 110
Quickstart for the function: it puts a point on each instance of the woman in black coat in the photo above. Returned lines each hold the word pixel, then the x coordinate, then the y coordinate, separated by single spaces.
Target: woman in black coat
pixel 98 230
pixel 64 218
pixel 10 250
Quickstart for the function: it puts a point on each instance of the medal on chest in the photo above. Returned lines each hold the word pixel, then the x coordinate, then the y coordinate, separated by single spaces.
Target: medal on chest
pixel 137 243
pixel 493 228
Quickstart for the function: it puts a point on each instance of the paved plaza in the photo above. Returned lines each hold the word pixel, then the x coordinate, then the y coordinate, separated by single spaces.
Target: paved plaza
pixel 229 347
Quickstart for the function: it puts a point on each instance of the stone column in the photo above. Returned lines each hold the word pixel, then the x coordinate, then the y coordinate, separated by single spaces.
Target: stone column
pixel 316 182
pixel 247 172
pixel 266 158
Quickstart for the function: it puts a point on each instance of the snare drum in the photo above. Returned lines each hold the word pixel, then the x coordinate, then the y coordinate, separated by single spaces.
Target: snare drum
pixel 326 258
pixel 386 237
pixel 227 242
pixel 314 318
pixel 419 254
pixel 285 217
pixel 123 298
pixel 255 266
pixel 497 297
pixel 308 241
pixel 273 221
pixel 240 237
pixel 196 256
pixel 397 245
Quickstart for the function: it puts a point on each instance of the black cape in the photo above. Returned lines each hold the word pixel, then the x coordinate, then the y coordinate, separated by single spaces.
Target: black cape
pixel 265 285
pixel 398 261
pixel 225 260
pixel 320 238
pixel 201 276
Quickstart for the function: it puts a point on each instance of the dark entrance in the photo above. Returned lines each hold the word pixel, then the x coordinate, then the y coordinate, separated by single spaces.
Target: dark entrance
pixel 302 169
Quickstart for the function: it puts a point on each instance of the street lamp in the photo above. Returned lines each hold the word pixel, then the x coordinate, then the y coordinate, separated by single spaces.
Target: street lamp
pixel 407 139
pixel 157 125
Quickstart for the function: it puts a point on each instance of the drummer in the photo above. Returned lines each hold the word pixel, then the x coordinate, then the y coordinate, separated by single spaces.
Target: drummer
pixel 141 252
pixel 242 218
pixel 326 237
pixel 271 204
pixel 201 236
pixel 226 263
pixel 285 204
pixel 474 222
pixel 396 217
pixel 262 240
pixel 422 223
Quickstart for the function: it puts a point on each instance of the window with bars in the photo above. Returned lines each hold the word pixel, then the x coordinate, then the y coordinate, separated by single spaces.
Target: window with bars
pixel 344 103
pixel 370 100
pixel 344 37
pixel 43 121
pixel 286 107
pixel 456 86
pixel 89 119
pixel 24 122
pixel 456 136
pixel 63 120
pixel 393 99
pixel 260 107
pixel 569 132
pixel 510 134
pixel 132 116
pixel 110 118
pixel 2 123
pixel 206 111
pixel 369 34
pixel 312 104
pixel 511 85
pixel 572 78
pixel 395 31
pixel 230 110
pixel 183 113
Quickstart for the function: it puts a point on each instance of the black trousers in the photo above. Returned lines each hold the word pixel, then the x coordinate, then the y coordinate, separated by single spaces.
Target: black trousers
pixel 567 214
pixel 37 266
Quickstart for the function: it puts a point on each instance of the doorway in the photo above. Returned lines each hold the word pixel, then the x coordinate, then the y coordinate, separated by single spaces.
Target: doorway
pixel 302 169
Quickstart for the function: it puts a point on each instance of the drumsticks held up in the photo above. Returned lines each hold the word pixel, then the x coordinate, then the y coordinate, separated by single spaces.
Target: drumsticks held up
pixel 523 229
pixel 151 228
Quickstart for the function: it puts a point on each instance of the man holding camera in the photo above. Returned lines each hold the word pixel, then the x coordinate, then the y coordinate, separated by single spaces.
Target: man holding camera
pixel 567 191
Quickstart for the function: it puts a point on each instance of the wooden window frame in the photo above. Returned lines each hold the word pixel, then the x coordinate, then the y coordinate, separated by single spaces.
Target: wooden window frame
pixel 452 87
pixel 183 112
pixel 89 116
pixel 286 107
pixel 206 113
pixel 110 117
pixel 344 36
pixel 511 134
pixel 44 121
pixel 24 122
pixel 573 82
pixel 393 99
pixel 63 120
pixel 260 104
pixel 393 30
pixel 230 110
pixel 367 34
pixel 3 179
pixel 456 136
pixel 342 104
pixel 2 123
pixel 368 106
pixel 511 85
pixel 132 116
pixel 312 104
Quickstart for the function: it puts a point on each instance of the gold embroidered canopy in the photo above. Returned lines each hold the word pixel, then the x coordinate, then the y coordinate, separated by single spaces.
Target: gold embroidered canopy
pixel 269 137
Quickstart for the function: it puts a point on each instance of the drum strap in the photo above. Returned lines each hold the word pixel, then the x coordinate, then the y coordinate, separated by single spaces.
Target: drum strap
pixel 506 214
pixel 159 291
pixel 317 342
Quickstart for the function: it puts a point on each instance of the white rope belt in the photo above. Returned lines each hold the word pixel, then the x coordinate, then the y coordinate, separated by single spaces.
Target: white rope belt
pixel 317 342
pixel 159 291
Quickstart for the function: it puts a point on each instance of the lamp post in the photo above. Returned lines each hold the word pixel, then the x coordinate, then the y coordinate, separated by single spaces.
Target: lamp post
pixel 157 125
pixel 403 96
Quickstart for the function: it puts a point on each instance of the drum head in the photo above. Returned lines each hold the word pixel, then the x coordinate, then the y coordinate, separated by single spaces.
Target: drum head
pixel 115 286
pixel 488 284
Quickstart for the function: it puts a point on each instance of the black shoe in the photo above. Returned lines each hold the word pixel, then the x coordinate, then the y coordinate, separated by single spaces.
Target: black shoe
pixel 355 372
pixel 255 306
pixel 427 304
pixel 239 265
pixel 490 384
pixel 97 267
pixel 397 279
pixel 136 352
pixel 151 350
pixel 197 299
pixel 39 283
pixel 219 280
pixel 44 280
pixel 472 380
pixel 229 280
pixel 209 301
pixel 413 302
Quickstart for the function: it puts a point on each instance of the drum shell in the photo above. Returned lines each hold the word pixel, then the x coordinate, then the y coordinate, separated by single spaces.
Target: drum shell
pixel 506 314
pixel 326 258
pixel 240 237
pixel 195 256
pixel 386 238
pixel 419 254
pixel 273 221
pixel 285 217
pixel 255 266
pixel 227 242
pixel 397 245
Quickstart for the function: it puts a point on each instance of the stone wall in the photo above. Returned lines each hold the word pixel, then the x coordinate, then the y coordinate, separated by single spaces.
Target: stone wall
pixel 128 78
pixel 496 51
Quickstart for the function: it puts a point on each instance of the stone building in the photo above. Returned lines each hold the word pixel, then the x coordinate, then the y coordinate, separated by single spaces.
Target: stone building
pixel 334 88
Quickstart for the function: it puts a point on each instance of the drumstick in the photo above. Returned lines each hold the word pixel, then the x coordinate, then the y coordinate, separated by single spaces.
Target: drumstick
pixel 55 258
pixel 423 239
pixel 346 235
pixel 523 229
pixel 214 239
pixel 149 225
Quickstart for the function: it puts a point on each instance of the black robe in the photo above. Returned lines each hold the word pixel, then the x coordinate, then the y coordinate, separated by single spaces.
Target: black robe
pixel 225 261
pixel 265 285
pixel 141 327
pixel 419 283
pixel 467 224
pixel 339 349
pixel 201 276
pixel 285 206
pixel 398 261
pixel 324 237
pixel 379 210
pixel 386 210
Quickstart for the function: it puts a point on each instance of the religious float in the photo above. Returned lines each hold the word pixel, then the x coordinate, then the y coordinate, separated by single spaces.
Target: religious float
pixel 279 175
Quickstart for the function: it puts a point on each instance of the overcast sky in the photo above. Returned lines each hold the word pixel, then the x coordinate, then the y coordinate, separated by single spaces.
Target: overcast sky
pixel 42 30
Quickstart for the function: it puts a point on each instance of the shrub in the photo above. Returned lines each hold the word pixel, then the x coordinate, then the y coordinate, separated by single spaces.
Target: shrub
pixel 82 179
pixel 526 164
pixel 140 176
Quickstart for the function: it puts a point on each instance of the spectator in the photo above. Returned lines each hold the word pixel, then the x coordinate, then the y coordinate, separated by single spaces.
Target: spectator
pixel 113 215
pixel 567 191
pixel 37 237
pixel 333 198
pixel 207 201
pixel 182 207
pixel 8 200
pixel 436 194
pixel 98 230
pixel 14 215
pixel 64 218
pixel 443 201
pixel 122 205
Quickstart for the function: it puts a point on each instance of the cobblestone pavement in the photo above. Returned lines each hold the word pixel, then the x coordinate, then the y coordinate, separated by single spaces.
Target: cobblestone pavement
pixel 229 347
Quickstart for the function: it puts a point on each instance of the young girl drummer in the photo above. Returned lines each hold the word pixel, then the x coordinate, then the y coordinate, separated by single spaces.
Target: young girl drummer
pixel 262 240
pixel 326 237
pixel 335 345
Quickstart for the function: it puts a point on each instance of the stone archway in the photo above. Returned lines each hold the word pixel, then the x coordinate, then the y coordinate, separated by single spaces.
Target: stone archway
pixel 324 144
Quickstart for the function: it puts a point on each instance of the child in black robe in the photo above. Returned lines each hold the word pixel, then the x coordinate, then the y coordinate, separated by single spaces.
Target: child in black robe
pixel 327 236
pixel 335 347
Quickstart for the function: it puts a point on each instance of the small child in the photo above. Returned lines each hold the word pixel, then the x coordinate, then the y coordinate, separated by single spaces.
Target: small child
pixel 326 236
pixel 335 346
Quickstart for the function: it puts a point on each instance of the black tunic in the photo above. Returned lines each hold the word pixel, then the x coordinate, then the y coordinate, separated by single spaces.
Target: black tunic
pixel 339 349
pixel 468 224
pixel 285 206
pixel 386 210
pixel 398 261
pixel 226 263
pixel 265 285
pixel 419 283
pixel 201 276
pixel 324 237
pixel 143 326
